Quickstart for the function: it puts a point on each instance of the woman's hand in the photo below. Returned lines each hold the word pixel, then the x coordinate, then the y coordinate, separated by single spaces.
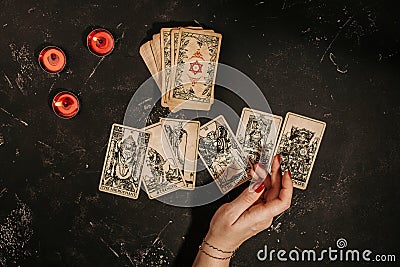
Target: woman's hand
pixel 250 213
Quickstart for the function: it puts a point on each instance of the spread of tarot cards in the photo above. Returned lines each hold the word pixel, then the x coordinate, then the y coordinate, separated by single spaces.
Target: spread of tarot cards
pixel 163 156
pixel 183 62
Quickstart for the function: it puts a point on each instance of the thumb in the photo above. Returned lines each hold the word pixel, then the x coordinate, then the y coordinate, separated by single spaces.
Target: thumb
pixel 246 199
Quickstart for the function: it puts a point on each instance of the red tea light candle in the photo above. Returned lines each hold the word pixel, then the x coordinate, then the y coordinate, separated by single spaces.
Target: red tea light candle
pixel 52 59
pixel 65 105
pixel 100 42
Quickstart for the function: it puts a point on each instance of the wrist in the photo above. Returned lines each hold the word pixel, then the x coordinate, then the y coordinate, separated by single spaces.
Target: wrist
pixel 222 244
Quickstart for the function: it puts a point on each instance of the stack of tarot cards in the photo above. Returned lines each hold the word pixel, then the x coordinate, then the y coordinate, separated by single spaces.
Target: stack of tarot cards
pixel 183 62
pixel 163 156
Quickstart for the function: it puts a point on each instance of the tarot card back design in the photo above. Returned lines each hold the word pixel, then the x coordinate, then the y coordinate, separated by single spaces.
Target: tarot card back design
pixel 222 154
pixel 298 146
pixel 196 65
pixel 124 161
pixel 160 175
pixel 257 134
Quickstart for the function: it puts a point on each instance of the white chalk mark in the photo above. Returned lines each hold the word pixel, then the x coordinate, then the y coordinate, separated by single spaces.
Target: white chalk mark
pixel 198 23
pixel 123 250
pixel 3 191
pixel 129 258
pixel 49 147
pixel 340 71
pixel 79 198
pixel 94 70
pixel 162 230
pixel 276 228
pixel 44 144
pixel 332 59
pixel 277 218
pixel 19 81
pixel 110 248
pixel 306 31
pixel 336 36
pixel 15 118
pixel 121 37
pixel 8 80
pixel 52 85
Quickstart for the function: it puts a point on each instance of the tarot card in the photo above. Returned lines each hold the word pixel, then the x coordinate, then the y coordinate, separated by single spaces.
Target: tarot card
pixel 165 61
pixel 174 44
pixel 161 175
pixel 175 38
pixel 147 55
pixel 298 146
pixel 183 138
pixel 126 153
pixel 192 82
pixel 257 134
pixel 174 34
pixel 222 154
pixel 156 48
pixel 173 47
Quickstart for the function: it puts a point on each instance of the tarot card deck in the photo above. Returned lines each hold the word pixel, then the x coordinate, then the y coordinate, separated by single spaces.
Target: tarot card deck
pixel 183 62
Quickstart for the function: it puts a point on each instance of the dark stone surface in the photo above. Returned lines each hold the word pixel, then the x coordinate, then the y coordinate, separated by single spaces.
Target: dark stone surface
pixel 51 213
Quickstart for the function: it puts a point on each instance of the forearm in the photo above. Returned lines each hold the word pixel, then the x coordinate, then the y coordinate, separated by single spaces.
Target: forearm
pixel 206 261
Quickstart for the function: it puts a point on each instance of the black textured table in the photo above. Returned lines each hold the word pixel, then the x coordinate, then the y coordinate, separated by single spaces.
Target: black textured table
pixel 337 61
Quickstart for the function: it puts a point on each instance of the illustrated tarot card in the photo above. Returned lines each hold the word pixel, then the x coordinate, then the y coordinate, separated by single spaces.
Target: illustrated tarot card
pixel 222 154
pixel 257 133
pixel 183 138
pixel 298 146
pixel 126 153
pixel 161 174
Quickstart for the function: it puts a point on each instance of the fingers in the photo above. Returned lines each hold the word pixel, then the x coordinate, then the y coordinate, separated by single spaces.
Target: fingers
pixel 245 200
pixel 273 192
pixel 254 175
pixel 265 212
pixel 260 171
pixel 278 197
pixel 282 203
pixel 287 187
